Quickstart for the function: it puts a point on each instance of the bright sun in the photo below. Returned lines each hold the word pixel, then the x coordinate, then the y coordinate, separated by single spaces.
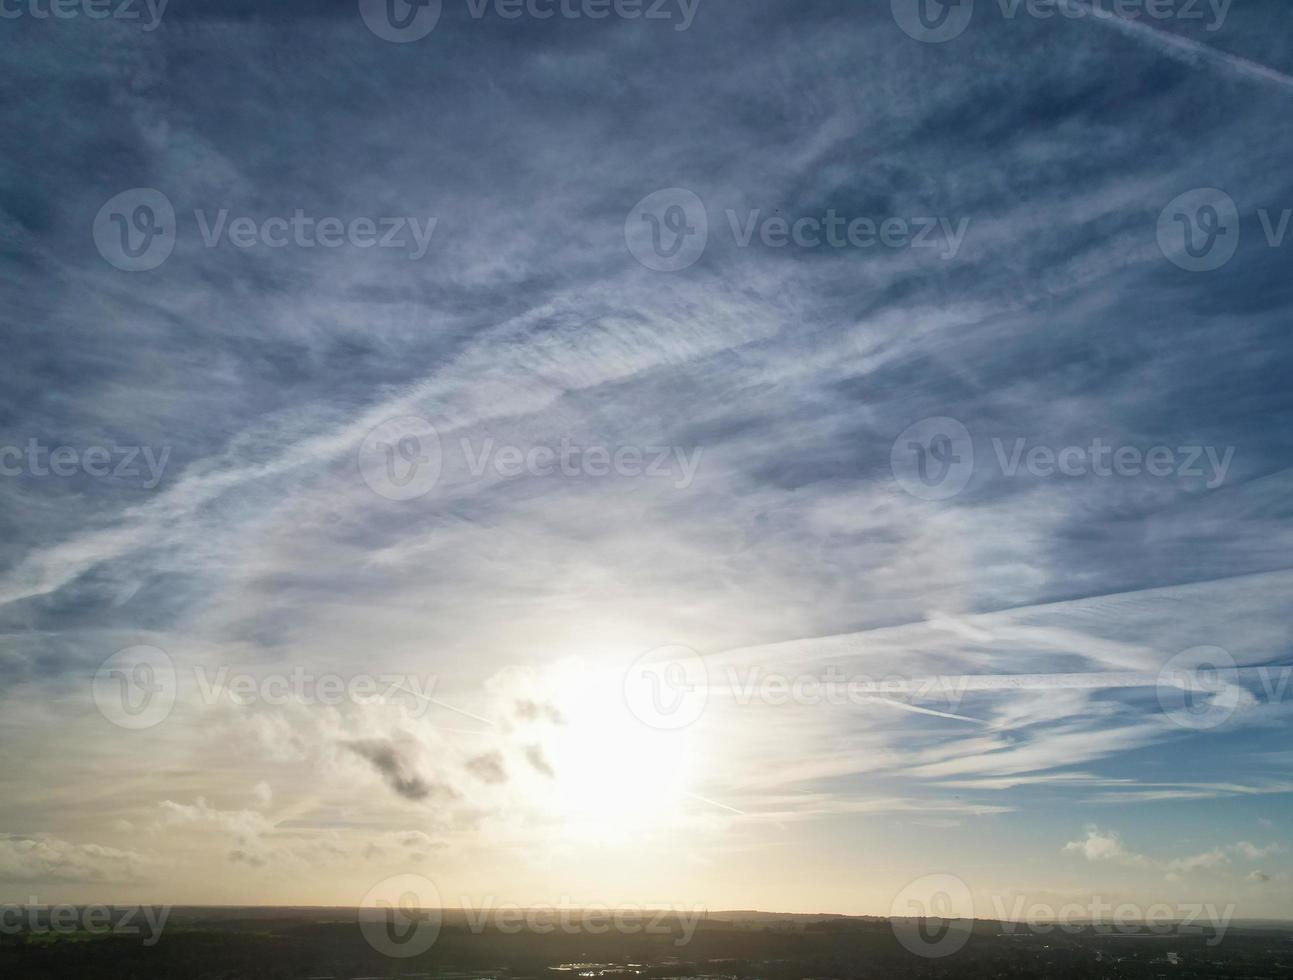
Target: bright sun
pixel 614 777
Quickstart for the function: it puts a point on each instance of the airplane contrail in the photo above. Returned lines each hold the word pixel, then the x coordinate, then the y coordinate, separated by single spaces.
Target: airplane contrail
pixel 1187 50
pixel 925 711
pixel 441 704
pixel 1091 680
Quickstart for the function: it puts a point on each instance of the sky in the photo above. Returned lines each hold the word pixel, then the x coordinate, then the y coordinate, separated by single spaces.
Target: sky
pixel 742 454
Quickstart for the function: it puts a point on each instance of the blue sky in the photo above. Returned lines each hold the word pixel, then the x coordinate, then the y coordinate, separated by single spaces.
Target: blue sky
pixel 760 403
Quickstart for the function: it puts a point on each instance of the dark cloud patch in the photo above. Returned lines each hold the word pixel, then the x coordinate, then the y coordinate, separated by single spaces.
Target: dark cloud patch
pixel 394 768
pixel 534 756
pixel 488 768
pixel 528 710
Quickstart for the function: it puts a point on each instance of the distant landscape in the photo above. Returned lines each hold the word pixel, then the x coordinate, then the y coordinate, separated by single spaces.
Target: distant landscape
pixel 328 944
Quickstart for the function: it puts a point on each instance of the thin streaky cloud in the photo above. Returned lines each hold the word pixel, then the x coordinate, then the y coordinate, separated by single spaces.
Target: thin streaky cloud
pixel 1190 51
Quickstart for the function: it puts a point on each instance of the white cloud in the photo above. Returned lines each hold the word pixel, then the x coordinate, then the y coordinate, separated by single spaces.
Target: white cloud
pixel 46 858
